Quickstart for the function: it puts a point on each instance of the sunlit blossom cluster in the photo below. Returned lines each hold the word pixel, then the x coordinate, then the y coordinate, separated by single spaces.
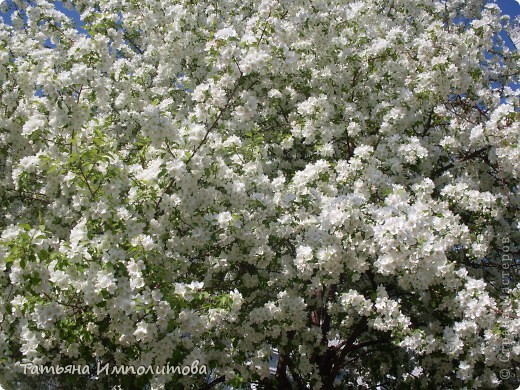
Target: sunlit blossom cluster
pixel 309 194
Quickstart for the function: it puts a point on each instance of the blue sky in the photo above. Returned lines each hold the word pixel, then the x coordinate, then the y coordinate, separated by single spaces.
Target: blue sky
pixel 510 7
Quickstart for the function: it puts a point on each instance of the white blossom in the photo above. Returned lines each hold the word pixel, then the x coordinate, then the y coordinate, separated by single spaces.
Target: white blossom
pixel 282 192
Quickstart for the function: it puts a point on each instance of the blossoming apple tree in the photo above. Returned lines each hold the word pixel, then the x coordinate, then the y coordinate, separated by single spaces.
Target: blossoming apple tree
pixel 294 194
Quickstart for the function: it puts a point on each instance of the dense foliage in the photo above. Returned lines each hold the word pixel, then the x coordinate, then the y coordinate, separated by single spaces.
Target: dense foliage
pixel 329 188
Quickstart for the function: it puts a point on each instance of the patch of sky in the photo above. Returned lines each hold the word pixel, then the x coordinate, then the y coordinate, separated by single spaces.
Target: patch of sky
pixel 69 10
pixel 10 12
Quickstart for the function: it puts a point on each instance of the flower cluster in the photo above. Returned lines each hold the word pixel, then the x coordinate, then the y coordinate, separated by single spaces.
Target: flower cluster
pixel 309 194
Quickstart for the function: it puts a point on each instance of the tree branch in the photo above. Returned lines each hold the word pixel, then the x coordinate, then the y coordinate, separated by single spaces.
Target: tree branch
pixel 436 173
pixel 349 345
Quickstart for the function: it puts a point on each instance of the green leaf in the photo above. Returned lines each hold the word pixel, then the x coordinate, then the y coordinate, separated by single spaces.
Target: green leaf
pixel 25 226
